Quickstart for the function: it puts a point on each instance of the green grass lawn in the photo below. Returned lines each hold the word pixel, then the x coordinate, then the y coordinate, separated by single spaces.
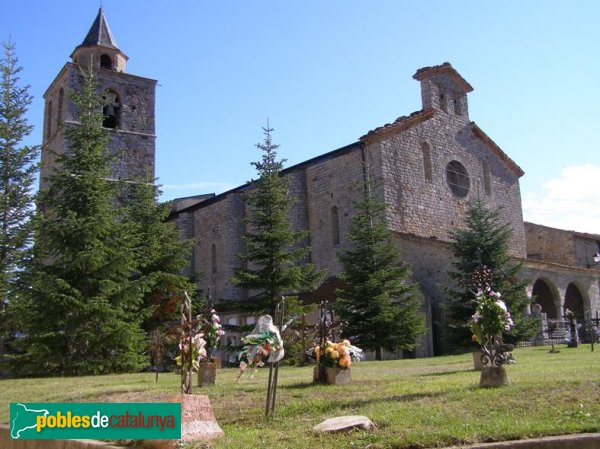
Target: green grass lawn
pixel 415 403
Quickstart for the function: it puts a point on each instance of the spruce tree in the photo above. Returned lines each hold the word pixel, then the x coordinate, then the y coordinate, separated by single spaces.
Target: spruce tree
pixel 485 241
pixel 80 313
pixel 273 262
pixel 160 253
pixel 18 166
pixel 378 302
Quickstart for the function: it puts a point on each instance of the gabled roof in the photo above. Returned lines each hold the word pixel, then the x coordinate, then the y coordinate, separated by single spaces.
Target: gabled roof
pixel 478 132
pixel 400 124
pixel 446 67
pixel 100 33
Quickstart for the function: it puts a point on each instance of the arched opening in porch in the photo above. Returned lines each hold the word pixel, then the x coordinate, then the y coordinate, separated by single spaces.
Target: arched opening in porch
pixel 545 297
pixel 574 301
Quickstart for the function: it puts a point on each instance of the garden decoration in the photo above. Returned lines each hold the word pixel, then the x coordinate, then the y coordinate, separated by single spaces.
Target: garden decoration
pixel 573 339
pixel 157 350
pixel 331 357
pixel 489 321
pixel 197 336
pixel 210 333
pixel 333 361
pixel 264 345
pixel 187 358
pixel 591 328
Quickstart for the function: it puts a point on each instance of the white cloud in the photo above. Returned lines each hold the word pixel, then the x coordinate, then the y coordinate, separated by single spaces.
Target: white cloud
pixel 570 201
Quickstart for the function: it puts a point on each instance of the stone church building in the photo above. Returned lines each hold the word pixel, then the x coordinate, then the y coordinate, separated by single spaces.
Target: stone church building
pixel 426 167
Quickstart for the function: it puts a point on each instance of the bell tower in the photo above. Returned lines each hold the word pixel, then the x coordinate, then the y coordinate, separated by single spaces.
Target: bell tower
pixel 444 89
pixel 128 115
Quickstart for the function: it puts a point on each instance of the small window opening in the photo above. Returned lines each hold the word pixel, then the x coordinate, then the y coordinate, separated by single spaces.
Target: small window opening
pixel 458 106
pixel 427 166
pixel 106 62
pixel 442 98
pixel 335 226
pixel 61 99
pixel 112 110
pixel 487 181
pixel 213 258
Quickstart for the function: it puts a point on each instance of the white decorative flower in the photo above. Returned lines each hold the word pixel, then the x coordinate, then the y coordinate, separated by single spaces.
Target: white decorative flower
pixel 502 305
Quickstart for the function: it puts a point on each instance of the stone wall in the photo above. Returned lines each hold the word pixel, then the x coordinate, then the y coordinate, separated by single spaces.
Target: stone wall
pixel 549 244
pixel 430 261
pixel 219 225
pixel 132 142
pixel 335 181
pixel 427 207
pixel 586 247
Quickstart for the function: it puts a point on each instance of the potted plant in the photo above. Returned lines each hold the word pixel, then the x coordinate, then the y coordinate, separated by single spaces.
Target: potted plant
pixel 210 333
pixel 334 361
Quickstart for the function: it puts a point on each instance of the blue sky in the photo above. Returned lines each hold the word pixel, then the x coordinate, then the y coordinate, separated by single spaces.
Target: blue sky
pixel 326 72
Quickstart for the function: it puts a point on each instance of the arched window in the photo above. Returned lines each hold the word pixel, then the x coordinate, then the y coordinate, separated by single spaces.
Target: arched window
pixel 427 168
pixel 112 110
pixel 213 258
pixel 335 226
pixel 59 113
pixel 458 179
pixel 106 62
pixel 49 120
pixel 487 181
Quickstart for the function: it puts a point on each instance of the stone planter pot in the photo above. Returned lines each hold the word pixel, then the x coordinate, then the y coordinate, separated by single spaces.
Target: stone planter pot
pixel 494 376
pixel 332 376
pixel 207 373
pixel 477 363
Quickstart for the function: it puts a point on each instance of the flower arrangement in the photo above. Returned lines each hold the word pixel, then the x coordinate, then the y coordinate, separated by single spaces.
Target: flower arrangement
pixel 491 317
pixel 198 348
pixel 205 338
pixel 210 333
pixel 262 345
pixel 337 355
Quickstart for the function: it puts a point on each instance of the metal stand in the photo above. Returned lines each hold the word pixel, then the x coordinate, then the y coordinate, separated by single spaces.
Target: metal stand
pixel 274 367
pixel 186 357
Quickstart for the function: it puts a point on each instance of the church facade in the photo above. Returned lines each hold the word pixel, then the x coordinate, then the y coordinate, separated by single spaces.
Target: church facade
pixel 425 166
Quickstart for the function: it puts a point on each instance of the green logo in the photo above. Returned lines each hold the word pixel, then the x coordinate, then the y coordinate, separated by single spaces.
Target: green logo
pixel 91 420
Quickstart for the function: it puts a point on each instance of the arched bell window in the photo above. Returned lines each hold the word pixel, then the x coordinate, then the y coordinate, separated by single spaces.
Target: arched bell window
pixel 112 110
pixel 106 62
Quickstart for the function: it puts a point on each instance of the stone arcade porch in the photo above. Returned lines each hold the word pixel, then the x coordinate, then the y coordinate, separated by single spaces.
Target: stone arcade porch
pixel 559 287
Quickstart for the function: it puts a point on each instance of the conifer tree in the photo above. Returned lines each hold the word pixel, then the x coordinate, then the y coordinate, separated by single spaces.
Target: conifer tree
pixel 160 253
pixel 379 304
pixel 272 263
pixel 80 314
pixel 485 241
pixel 18 166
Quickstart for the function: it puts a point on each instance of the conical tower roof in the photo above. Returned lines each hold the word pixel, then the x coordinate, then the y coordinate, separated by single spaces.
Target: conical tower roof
pixel 100 33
